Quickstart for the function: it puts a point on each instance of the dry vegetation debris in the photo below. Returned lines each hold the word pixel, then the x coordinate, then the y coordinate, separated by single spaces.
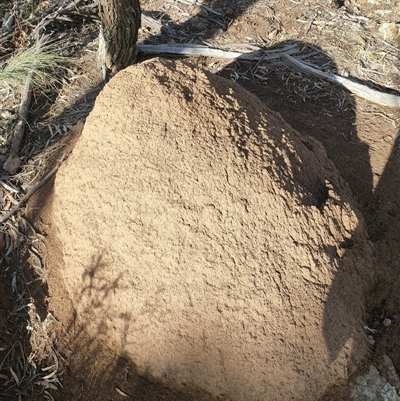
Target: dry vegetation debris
pixel 29 364
pixel 356 39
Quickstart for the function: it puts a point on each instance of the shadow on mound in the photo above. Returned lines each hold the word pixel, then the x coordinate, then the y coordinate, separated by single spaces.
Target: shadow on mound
pixel 343 312
pixel 332 110
pixel 220 241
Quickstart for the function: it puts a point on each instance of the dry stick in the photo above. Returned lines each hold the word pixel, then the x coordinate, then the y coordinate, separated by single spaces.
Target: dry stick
pixel 372 95
pixel 32 190
pixel 23 115
pixel 201 50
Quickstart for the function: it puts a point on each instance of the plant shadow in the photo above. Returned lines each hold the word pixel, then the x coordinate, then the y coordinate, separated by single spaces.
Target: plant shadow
pixel 330 121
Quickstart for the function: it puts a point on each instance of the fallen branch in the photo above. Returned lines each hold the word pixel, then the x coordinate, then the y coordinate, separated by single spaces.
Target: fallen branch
pixel 23 115
pixel 32 190
pixel 363 91
pixel 372 95
pixel 201 50
pixel 13 161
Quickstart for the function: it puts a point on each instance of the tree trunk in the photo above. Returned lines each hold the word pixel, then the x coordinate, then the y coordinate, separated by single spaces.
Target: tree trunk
pixel 120 22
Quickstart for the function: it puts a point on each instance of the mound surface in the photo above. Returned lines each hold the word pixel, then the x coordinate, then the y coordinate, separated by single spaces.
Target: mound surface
pixel 209 242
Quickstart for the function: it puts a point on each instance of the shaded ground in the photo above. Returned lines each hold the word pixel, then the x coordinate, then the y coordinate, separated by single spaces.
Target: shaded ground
pixel 360 138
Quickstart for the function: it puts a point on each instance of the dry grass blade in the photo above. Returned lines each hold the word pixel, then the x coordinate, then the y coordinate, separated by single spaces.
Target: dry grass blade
pixel 121 392
pixel 42 59
pixel 17 380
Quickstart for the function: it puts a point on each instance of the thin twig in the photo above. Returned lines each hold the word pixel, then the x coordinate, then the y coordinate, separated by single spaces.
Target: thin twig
pixel 47 19
pixel 42 20
pixel 93 376
pixel 32 190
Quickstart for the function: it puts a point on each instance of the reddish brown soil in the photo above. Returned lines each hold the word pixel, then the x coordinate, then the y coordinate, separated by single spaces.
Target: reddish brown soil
pixel 362 141
pixel 209 242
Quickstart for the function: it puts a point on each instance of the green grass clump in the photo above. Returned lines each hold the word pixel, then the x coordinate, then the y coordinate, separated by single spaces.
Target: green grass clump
pixel 29 7
pixel 43 60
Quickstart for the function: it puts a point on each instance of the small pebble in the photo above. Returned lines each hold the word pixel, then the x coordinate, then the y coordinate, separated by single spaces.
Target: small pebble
pixel 371 340
pixel 6 115
pixel 387 322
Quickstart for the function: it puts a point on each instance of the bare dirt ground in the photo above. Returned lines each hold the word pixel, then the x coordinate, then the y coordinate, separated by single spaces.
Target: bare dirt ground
pixel 362 140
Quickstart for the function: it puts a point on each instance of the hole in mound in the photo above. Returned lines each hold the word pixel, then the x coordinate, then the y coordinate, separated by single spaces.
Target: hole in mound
pixel 322 195
pixel 346 244
pixel 339 3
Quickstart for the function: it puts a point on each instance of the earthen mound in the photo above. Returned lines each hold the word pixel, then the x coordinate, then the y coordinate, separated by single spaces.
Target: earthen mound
pixel 209 242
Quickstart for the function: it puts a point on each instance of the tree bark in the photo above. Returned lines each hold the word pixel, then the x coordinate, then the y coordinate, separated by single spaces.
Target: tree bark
pixel 120 22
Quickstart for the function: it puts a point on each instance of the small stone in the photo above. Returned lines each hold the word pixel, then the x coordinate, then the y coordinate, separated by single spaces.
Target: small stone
pixel 6 115
pixel 387 322
pixel 371 340
pixel 12 164
pixel 389 30
pixel 387 369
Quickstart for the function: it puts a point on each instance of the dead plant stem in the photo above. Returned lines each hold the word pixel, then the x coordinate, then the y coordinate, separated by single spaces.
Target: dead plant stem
pixel 31 191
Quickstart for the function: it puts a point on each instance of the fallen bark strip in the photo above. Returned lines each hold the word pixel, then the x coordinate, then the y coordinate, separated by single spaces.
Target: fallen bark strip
pixel 32 190
pixel 363 91
pixel 13 161
pixel 23 115
pixel 201 50
pixel 372 95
